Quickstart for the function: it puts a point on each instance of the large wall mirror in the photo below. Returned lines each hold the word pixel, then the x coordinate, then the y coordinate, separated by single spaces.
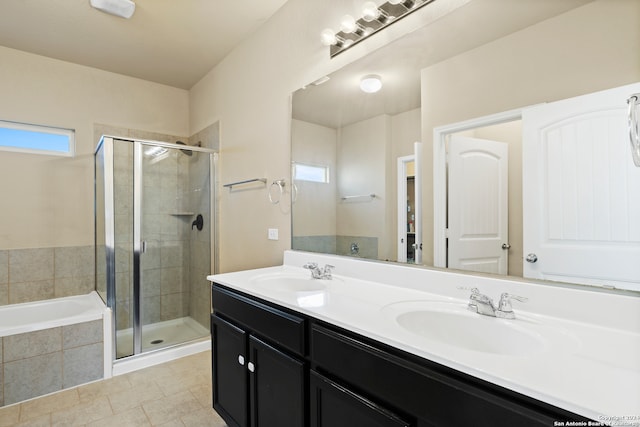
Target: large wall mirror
pixel 366 189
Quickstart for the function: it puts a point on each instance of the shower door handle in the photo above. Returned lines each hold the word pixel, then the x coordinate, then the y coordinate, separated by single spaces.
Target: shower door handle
pixel 143 246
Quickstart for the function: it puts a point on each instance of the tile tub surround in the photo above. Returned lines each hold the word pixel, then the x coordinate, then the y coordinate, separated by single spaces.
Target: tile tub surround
pixel 41 362
pixel 44 273
pixel 593 371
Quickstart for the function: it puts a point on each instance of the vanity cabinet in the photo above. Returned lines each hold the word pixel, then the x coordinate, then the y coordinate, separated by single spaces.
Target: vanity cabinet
pixel 333 405
pixel 257 381
pixel 311 373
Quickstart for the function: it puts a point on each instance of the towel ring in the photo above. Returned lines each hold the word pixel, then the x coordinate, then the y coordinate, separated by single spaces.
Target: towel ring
pixel 280 184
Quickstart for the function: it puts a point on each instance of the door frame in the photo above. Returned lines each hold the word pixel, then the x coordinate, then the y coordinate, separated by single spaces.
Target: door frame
pixel 402 206
pixel 440 135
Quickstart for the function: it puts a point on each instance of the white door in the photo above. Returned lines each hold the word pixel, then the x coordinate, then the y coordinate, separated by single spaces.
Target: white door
pixel 581 191
pixel 405 163
pixel 477 210
pixel 417 153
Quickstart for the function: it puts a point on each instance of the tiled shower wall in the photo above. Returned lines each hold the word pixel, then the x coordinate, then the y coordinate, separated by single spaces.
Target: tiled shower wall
pixel 178 258
pixel 42 273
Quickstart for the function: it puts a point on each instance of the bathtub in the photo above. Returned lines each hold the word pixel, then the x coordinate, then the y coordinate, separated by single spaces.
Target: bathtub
pixel 34 316
pixel 64 342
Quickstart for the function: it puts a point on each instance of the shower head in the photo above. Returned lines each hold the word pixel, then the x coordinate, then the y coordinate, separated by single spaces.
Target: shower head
pixel 187 152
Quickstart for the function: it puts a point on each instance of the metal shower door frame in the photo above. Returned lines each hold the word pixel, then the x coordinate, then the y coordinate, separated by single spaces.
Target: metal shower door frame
pixel 107 145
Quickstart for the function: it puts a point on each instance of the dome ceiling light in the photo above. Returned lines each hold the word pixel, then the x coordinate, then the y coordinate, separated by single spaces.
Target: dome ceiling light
pixel 371 83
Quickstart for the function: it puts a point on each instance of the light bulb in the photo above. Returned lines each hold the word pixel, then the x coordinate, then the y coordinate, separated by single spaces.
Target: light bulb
pixel 395 1
pixel 348 24
pixel 328 37
pixel 370 11
pixel 371 83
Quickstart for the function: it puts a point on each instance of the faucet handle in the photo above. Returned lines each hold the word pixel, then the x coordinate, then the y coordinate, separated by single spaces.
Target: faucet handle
pixel 505 301
pixel 310 265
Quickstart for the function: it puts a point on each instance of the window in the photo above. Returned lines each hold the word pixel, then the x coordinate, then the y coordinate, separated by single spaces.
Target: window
pixel 26 138
pixel 304 172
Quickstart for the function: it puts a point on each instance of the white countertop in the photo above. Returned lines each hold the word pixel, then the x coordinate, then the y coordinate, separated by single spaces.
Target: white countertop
pixel 589 364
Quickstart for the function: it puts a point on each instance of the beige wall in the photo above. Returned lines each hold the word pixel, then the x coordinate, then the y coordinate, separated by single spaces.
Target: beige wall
pixel 591 48
pixel 314 213
pixel 47 201
pixel 249 92
pixel 363 166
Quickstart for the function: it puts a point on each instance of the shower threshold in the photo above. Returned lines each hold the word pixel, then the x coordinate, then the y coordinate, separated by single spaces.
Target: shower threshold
pixel 160 335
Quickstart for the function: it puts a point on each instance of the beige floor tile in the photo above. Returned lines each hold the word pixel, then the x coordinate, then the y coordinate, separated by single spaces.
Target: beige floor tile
pixel 82 413
pixel 148 375
pixel 44 405
pixel 204 395
pixel 94 390
pixel 176 383
pixel 132 418
pixel 43 421
pixel 203 417
pixel 134 396
pixel 171 407
pixel 9 415
pixel 173 423
pixel 186 364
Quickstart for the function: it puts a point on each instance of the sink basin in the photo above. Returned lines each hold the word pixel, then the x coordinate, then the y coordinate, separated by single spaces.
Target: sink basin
pixel 452 324
pixel 285 282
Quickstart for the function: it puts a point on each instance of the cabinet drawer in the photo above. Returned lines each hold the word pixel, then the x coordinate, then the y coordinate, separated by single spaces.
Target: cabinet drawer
pixel 433 396
pixel 274 325
pixel 335 406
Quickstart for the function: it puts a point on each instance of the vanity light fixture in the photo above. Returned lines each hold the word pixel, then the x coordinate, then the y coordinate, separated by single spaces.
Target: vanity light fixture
pixel 121 8
pixel 371 83
pixel 374 18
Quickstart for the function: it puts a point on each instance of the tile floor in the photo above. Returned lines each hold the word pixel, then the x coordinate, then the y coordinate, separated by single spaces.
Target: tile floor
pixel 176 393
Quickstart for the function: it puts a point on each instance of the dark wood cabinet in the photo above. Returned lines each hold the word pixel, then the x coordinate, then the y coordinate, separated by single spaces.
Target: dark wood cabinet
pixel 230 387
pixel 333 405
pixel 273 366
pixel 277 387
pixel 257 381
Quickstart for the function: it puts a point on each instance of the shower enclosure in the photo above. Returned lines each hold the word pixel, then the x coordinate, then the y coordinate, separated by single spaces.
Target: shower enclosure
pixel 154 241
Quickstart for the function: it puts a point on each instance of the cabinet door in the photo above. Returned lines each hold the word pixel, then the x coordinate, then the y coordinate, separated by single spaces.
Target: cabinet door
pixel 335 406
pixel 230 394
pixel 277 387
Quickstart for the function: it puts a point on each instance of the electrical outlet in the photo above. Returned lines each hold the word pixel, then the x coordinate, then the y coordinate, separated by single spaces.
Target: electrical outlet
pixel 273 234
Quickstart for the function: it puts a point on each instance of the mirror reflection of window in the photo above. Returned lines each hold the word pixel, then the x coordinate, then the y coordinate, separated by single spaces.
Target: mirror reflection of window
pixel 305 172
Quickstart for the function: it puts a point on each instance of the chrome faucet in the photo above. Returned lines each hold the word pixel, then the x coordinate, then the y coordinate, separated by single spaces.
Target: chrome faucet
pixel 317 272
pixel 484 305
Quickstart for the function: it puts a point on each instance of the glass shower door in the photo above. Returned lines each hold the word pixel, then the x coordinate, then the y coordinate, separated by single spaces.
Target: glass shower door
pixel 154 205
pixel 174 211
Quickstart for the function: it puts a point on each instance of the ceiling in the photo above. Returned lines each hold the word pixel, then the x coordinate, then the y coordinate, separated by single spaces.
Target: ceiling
pixel 173 42
pixel 339 101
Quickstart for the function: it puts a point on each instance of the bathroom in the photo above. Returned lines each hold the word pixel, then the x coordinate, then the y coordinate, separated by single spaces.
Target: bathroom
pixel 255 81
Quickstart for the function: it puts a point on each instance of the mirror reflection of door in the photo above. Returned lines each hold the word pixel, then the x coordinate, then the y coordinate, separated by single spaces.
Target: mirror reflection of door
pixel 409 204
pixel 478 232
pixel 406 209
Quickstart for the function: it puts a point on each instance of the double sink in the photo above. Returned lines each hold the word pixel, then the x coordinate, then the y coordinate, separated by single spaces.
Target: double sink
pixel 437 321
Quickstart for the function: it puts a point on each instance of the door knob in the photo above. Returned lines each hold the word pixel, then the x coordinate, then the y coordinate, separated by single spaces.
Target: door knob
pixel 506 246
pixel 531 258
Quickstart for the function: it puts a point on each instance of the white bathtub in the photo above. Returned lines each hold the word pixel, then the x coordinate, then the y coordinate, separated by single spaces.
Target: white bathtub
pixel 52 334
pixel 34 316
